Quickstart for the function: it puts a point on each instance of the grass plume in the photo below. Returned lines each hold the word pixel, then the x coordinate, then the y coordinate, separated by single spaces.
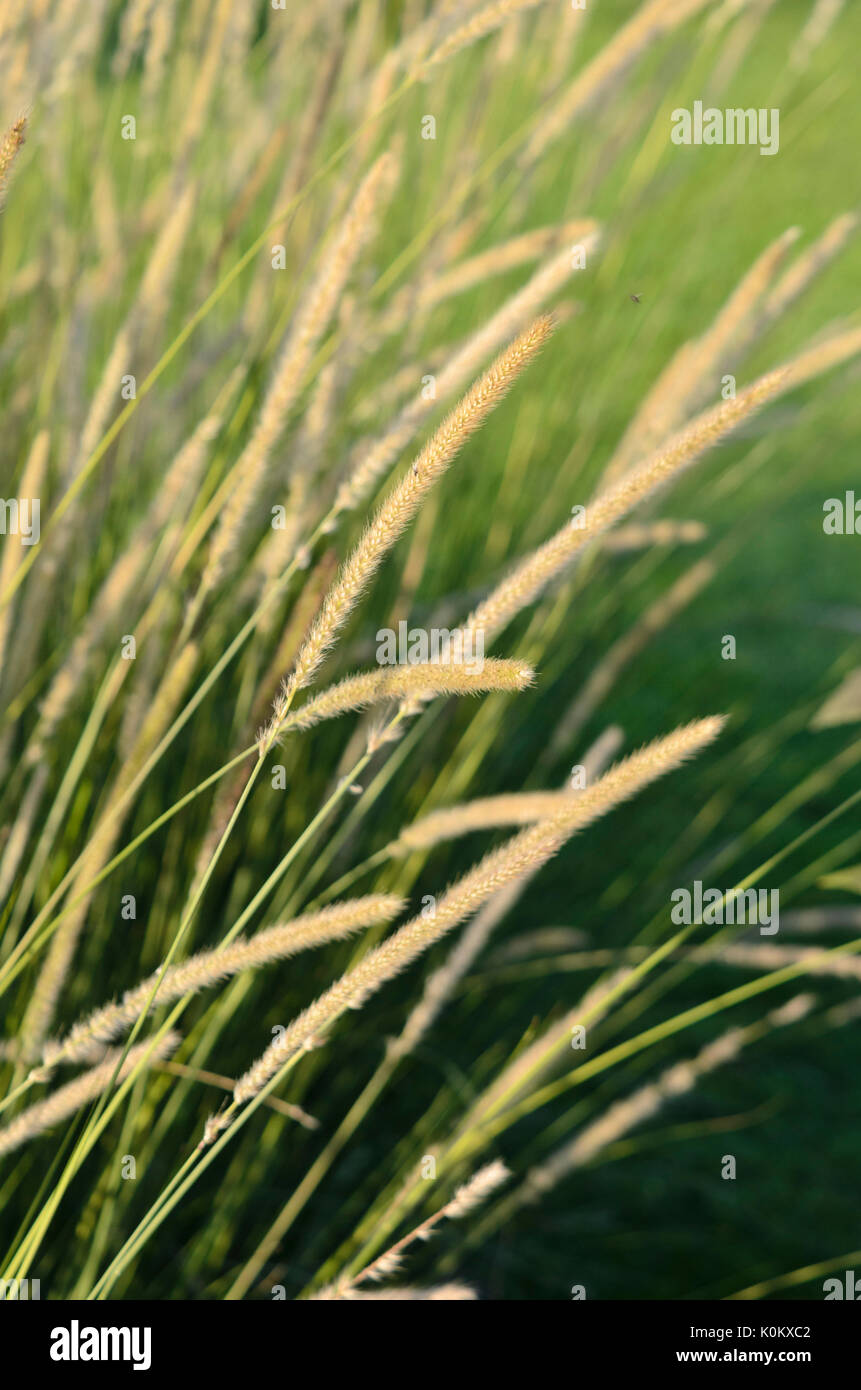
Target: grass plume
pixel 523 854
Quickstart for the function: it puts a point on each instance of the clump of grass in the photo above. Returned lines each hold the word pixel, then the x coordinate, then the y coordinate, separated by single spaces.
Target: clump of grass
pixel 521 855
pixel 242 356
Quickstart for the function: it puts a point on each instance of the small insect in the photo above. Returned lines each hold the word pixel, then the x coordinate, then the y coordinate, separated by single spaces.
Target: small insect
pixel 635 298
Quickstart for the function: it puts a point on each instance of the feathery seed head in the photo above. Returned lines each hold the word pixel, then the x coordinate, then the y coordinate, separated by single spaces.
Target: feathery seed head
pixel 9 147
pixel 402 503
